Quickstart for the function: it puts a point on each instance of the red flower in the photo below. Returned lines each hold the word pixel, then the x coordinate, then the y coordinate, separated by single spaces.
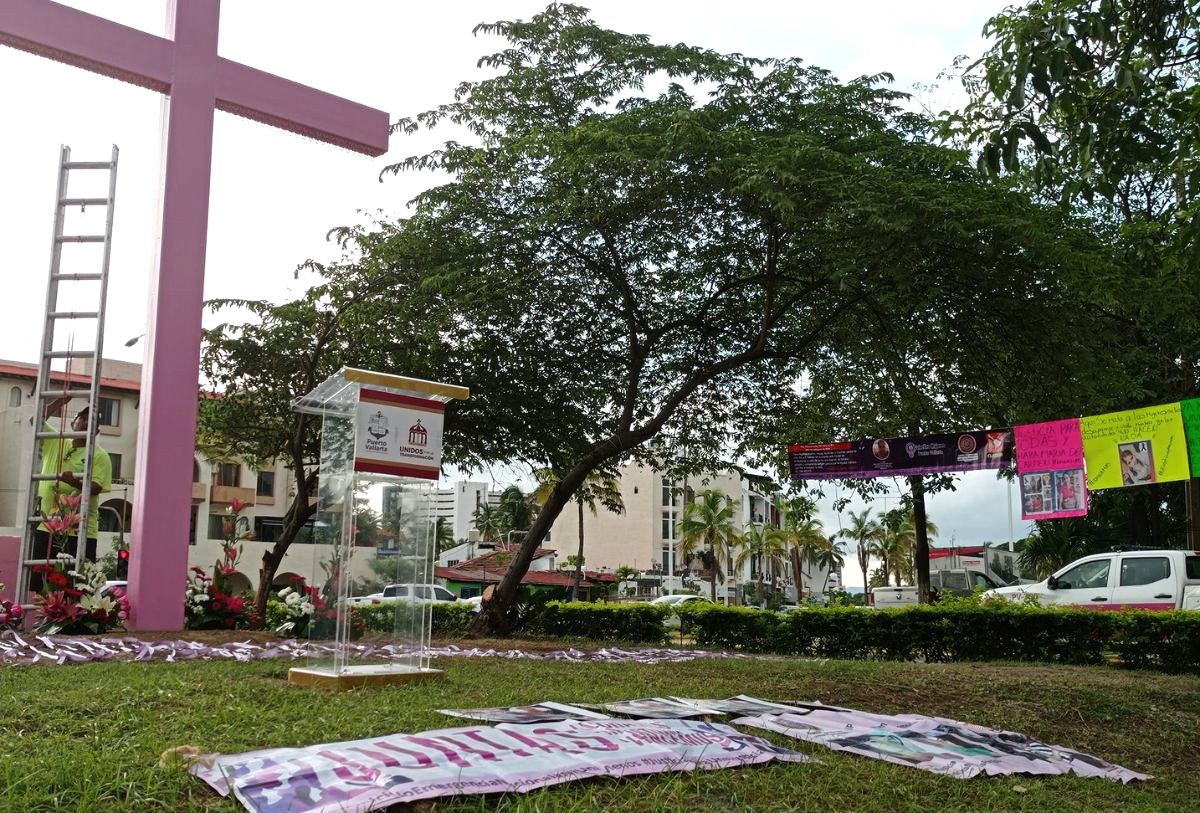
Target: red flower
pixel 199 572
pixel 72 592
pixel 235 605
pixel 43 568
pixel 229 622
pixel 57 579
pixel 218 605
pixel 236 506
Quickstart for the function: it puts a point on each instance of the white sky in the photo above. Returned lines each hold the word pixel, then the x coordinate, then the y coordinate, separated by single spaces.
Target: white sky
pixel 275 195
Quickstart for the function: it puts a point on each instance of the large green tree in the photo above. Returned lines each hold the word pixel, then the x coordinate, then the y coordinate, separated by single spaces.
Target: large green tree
pixel 622 270
pixel 1094 103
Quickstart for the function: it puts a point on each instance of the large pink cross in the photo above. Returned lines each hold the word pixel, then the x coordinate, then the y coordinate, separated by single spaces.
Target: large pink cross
pixel 198 82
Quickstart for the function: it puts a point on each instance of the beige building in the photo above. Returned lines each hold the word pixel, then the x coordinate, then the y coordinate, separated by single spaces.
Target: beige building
pixel 214 483
pixel 646 535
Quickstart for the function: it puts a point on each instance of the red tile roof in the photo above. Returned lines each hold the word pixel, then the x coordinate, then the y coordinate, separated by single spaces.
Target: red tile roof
pixel 490 567
pixel 19 369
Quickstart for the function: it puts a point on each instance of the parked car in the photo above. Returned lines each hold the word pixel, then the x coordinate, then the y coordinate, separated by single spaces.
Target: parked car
pixel 959 582
pixel 678 599
pixel 416 593
pixel 1144 580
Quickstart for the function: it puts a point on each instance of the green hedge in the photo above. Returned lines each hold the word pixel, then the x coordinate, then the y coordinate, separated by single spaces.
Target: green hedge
pixel 387 616
pixel 991 631
pixel 638 621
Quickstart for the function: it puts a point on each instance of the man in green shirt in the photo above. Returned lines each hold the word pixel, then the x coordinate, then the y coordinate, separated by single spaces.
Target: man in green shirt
pixel 64 457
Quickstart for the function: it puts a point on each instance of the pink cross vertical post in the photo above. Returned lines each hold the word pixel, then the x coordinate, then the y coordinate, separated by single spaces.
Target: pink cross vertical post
pixel 197 82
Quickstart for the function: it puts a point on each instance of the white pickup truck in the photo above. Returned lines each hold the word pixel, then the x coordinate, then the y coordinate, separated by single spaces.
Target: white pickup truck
pixel 1126 580
pixel 415 593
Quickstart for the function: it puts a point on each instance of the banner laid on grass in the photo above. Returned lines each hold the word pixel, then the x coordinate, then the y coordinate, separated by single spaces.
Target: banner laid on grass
pixel 546 712
pixel 1135 447
pixel 374 773
pixel 886 457
pixel 936 744
pixel 1050 468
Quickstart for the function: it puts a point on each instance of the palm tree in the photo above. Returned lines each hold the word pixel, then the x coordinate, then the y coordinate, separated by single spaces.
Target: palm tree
pixel 765 544
pixel 488 522
pixel 805 536
pixel 863 531
pixel 907 536
pixel 1052 545
pixel 709 521
pixel 599 487
pixel 443 536
pixel 829 558
pixel 515 513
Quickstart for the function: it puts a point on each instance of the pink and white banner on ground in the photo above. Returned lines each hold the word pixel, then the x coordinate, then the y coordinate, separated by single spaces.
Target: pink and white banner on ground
pixel 936 744
pixel 374 773
pixel 1050 470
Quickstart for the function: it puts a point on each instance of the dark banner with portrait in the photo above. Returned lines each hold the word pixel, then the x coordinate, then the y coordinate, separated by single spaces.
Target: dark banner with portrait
pixel 885 457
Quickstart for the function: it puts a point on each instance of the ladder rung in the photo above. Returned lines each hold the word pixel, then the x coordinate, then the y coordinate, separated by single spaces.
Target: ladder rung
pixel 69 354
pixel 41 477
pixel 67 435
pixel 88 165
pixel 77 277
pixel 65 393
pixel 72 315
pixel 81 238
pixel 38 520
pixel 83 202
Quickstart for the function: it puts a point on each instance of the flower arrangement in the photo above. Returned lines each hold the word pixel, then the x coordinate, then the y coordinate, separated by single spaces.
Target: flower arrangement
pixel 209 602
pixel 12 614
pixel 296 607
pixel 73 602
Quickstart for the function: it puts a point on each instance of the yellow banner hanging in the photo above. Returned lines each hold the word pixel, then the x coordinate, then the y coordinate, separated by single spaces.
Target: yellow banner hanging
pixel 1135 447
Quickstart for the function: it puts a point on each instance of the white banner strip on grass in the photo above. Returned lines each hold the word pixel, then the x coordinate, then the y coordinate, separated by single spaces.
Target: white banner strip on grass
pixel 374 773
pixel 936 744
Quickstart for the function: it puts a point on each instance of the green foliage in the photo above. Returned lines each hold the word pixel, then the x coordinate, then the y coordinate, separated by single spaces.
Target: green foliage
pixel 958 630
pixel 386 617
pixel 620 274
pixel 638 621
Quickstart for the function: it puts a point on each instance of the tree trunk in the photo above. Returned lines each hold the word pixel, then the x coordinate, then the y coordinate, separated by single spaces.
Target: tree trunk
pixel 921 550
pixel 864 562
pixel 758 593
pixel 578 558
pixel 799 574
pixel 296 518
pixel 712 582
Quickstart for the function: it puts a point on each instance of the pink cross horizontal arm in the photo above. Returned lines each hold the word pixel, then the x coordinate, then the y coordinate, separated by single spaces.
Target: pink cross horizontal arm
pixel 197 82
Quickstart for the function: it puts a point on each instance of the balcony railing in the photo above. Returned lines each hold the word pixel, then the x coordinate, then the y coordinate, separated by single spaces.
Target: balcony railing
pixel 223 495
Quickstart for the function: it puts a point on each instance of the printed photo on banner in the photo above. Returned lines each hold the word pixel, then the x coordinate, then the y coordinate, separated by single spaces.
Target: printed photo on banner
pixel 1068 489
pixel 1037 495
pixel 1137 462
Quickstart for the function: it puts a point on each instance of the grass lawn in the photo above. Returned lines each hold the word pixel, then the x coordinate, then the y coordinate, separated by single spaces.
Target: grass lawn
pixel 88 738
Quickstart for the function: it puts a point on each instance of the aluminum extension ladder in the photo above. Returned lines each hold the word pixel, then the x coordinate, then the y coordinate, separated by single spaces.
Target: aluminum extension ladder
pixel 47 390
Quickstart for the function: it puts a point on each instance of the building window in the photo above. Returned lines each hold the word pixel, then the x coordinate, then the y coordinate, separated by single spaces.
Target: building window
pixel 110 412
pixel 227 474
pixel 115 459
pixel 670 525
pixel 670 493
pixel 216 526
pixel 266 484
pixel 14 397
pixel 267 529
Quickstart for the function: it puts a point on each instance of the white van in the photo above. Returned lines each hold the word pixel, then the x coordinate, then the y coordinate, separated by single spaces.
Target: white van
pixel 960 582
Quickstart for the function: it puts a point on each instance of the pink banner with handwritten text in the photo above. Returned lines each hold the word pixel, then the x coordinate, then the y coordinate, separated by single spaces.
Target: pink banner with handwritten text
pixel 1050 470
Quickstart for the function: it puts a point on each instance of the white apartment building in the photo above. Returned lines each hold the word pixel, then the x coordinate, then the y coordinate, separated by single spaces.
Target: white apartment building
pixel 646 535
pixel 215 484
pixel 455 504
